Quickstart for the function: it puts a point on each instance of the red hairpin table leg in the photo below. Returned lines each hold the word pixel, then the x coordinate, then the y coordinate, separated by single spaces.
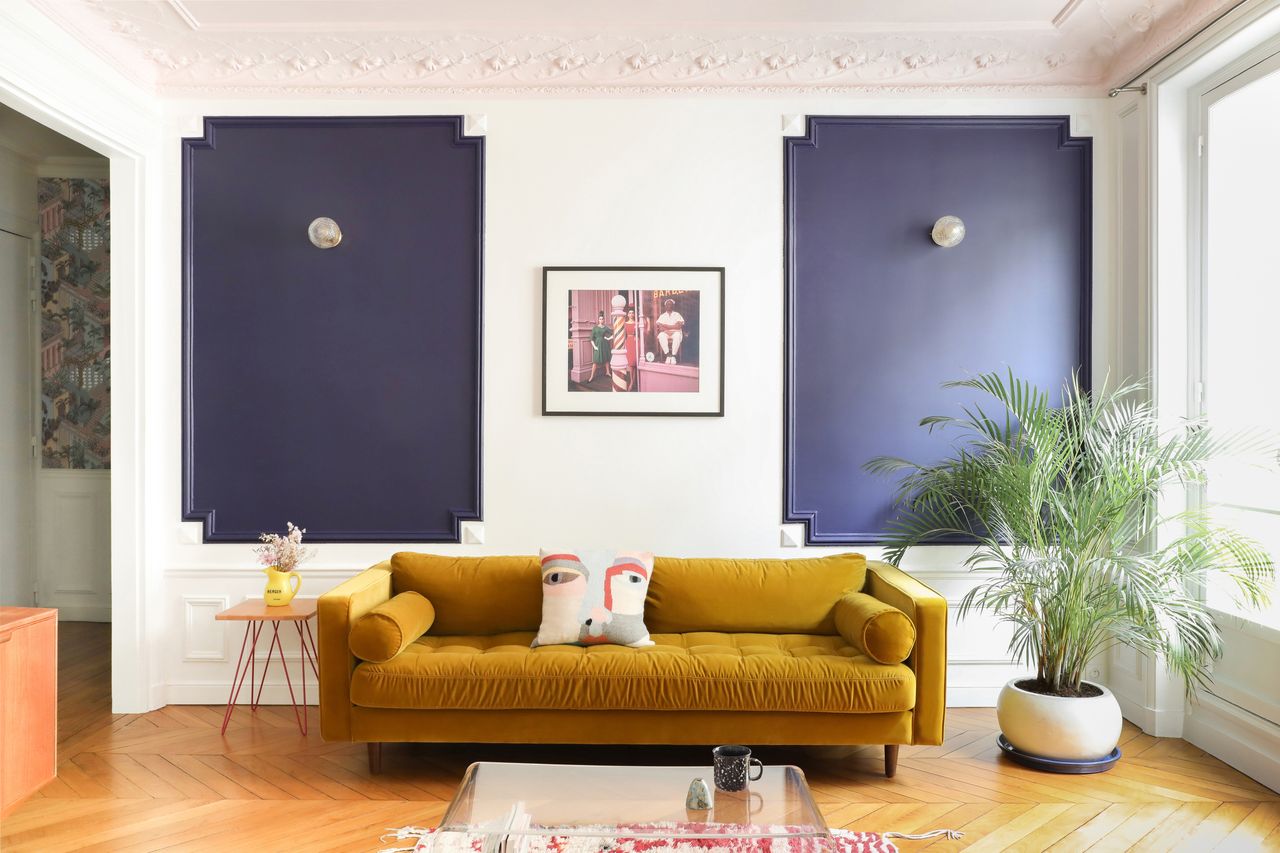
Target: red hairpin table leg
pixel 242 669
pixel 315 656
pixel 256 613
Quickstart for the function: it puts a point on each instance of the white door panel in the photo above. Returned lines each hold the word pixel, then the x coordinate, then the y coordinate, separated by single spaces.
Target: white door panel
pixel 74 543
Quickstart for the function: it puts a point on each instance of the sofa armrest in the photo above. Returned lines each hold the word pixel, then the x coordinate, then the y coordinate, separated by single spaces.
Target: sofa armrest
pixel 336 611
pixel 928 612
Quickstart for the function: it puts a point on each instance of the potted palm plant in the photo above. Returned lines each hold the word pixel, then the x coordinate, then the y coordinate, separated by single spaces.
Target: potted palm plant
pixel 1063 503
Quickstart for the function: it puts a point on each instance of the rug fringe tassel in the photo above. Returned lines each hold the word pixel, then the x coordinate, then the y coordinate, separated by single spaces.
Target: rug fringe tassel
pixel 419 833
pixel 950 834
pixel 400 834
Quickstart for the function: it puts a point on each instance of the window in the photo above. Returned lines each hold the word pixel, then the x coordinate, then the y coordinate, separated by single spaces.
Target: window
pixel 1236 358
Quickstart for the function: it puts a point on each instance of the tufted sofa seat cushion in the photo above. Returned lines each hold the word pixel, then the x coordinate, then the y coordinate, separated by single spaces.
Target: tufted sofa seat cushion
pixel 696 671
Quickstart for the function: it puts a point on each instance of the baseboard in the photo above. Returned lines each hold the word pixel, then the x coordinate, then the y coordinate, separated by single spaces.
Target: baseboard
pixel 215 693
pixel 1154 721
pixel 1244 740
pixel 85 613
pixel 973 697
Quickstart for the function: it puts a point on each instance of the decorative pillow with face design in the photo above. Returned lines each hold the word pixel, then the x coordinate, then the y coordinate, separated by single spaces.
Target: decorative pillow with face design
pixel 593 597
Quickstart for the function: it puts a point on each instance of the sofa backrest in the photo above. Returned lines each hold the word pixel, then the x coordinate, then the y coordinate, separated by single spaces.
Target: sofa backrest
pixel 495 595
pixel 473 595
pixel 752 596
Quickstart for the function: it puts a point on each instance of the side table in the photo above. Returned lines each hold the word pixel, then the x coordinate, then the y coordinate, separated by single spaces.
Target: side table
pixel 256 614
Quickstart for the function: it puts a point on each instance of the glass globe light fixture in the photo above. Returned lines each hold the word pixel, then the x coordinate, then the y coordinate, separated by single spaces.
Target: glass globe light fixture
pixel 324 233
pixel 948 231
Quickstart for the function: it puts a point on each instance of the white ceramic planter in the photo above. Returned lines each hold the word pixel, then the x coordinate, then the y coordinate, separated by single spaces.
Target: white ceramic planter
pixel 1059 727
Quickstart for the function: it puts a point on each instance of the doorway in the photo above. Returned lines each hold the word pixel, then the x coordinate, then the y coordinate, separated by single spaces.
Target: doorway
pixel 55 371
pixel 17 472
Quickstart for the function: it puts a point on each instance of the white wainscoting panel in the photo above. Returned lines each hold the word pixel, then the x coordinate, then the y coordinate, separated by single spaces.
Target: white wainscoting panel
pixel 1127 679
pixel 1246 741
pixel 1238 718
pixel 73 543
pixel 978 663
pixel 202 665
pixel 204 639
pixel 1248 673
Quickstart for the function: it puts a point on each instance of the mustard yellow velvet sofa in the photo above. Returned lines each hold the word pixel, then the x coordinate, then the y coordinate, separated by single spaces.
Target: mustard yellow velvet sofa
pixel 751 651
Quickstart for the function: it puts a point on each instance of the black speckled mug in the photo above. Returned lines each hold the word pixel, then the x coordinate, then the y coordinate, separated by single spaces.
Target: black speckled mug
pixel 732 766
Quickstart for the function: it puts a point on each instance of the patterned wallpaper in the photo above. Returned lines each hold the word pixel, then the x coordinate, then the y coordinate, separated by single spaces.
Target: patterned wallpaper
pixel 75 322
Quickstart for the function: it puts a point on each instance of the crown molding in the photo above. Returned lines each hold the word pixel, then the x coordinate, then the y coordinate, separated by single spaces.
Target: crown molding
pixel 1087 47
pixel 565 91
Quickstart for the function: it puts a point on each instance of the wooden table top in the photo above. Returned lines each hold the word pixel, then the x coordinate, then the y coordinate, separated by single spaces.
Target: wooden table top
pixel 14 617
pixel 298 610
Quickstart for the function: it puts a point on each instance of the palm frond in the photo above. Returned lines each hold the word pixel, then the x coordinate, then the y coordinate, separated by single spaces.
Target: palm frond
pixel 1061 498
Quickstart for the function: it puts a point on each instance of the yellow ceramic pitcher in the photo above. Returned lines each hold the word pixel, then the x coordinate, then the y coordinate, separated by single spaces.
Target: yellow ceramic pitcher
pixel 281 586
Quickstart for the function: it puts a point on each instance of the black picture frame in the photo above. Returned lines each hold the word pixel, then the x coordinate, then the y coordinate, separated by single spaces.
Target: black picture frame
pixel 550 335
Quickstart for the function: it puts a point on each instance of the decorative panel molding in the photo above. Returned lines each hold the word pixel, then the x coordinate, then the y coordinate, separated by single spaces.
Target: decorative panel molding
pixel 878 316
pixel 204 639
pixel 73 542
pixel 79 563
pixel 336 388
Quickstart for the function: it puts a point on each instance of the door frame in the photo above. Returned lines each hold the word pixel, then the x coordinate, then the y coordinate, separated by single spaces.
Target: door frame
pixel 133 685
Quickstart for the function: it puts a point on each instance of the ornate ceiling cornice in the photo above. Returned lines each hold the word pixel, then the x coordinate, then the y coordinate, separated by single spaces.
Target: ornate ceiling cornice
pixel 1089 46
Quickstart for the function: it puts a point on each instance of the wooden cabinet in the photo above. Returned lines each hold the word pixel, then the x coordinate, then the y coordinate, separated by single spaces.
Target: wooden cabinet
pixel 28 701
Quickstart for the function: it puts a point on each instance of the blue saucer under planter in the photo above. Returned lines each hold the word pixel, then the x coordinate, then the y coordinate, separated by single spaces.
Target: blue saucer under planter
pixel 1054 765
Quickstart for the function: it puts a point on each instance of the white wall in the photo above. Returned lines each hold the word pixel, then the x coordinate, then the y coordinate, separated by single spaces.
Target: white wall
pixel 49 76
pixel 683 181
pixel 17 483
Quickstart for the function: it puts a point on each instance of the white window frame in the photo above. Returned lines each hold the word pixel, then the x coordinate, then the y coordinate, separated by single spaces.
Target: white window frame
pixel 1254 65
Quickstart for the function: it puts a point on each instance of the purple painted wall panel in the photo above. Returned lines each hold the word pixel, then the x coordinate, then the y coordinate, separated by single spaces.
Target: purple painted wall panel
pixel 878 316
pixel 336 388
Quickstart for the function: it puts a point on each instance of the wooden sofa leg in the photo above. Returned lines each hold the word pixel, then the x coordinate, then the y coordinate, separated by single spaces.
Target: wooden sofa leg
pixel 375 758
pixel 890 760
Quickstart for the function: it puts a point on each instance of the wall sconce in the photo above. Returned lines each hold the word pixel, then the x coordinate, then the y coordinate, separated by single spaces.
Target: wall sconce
pixel 948 231
pixel 324 233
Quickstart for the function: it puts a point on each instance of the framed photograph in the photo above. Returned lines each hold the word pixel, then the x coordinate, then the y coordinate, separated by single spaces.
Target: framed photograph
pixel 633 341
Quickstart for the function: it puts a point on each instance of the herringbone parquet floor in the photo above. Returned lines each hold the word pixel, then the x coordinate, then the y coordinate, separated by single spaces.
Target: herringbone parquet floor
pixel 167 780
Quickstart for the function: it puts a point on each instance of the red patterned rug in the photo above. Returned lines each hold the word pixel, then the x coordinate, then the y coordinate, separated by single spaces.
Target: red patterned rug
pixel 614 840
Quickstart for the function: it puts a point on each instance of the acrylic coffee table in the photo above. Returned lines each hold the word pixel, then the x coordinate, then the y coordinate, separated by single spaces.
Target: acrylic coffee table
pixel 514 806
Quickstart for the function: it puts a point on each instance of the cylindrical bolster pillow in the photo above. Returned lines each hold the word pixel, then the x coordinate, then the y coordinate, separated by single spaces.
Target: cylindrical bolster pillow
pixel 880 630
pixel 384 631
